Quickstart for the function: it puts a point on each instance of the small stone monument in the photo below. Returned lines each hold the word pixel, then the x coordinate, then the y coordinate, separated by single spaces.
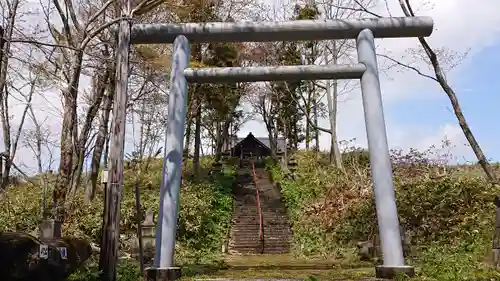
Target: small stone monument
pixel 148 228
pixel 49 229
pixel 225 157
pixel 292 165
pixel 216 168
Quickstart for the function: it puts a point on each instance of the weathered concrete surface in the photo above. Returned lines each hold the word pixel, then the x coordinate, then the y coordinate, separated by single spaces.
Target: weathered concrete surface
pixel 21 259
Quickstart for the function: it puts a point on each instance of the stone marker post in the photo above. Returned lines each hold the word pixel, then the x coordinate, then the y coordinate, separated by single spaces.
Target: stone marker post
pixel 149 235
pixel 49 229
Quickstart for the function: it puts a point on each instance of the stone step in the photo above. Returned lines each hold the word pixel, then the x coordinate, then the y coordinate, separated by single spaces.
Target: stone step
pixel 243 251
pixel 252 279
pixel 245 221
pixel 252 248
pixel 267 232
pixel 255 215
pixel 267 243
pixel 265 223
pixel 256 227
pixel 246 228
pixel 270 239
pixel 272 232
pixel 268 216
pixel 244 231
pixel 267 236
pixel 254 211
pixel 256 220
pixel 244 202
pixel 255 235
pixel 255 238
pixel 264 210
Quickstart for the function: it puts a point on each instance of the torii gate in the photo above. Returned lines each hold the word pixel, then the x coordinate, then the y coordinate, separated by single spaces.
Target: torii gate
pixel 363 30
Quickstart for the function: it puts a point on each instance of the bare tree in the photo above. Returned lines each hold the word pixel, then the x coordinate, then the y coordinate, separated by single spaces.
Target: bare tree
pixel 264 105
pixel 440 77
pixel 77 32
pixel 39 140
pixel 335 51
pixel 10 145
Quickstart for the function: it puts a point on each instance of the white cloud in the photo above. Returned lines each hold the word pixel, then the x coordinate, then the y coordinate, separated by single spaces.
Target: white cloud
pixel 459 25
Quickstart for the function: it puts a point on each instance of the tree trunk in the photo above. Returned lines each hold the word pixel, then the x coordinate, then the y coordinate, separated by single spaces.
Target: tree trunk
pixel 285 152
pixel 142 133
pixel 222 136
pixel 197 141
pixel 335 157
pixel 70 96
pixel 315 112
pixel 187 142
pixel 5 37
pixel 441 79
pixel 101 140
pixel 218 138
pixel 99 90
pixel 308 129
pixel 296 138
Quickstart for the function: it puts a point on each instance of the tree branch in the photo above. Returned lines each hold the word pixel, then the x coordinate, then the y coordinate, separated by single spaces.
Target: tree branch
pixel 408 66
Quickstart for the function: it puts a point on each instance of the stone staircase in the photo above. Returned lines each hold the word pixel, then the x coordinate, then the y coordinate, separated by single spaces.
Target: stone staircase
pixel 244 234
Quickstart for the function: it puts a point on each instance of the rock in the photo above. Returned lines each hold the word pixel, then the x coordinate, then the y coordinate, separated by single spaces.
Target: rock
pixel 366 251
pixel 25 258
pixel 369 251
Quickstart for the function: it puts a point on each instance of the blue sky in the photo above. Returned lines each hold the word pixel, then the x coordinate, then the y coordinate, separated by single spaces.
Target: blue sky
pixel 418 113
pixel 477 85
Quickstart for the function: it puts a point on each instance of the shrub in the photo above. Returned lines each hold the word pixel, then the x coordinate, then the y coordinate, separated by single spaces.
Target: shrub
pixel 204 214
pixel 447 210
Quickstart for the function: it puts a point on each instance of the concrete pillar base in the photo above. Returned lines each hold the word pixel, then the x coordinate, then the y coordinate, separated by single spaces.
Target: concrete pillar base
pixel 163 274
pixel 390 272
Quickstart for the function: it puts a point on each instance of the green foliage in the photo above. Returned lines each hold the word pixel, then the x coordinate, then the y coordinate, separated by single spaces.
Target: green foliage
pixel 286 96
pixel 449 216
pixel 204 217
pixel 461 261
pixel 307 12
pixel 359 157
pixel 126 271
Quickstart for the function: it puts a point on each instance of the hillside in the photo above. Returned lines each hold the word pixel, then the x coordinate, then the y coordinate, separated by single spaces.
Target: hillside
pixel 205 211
pixel 447 211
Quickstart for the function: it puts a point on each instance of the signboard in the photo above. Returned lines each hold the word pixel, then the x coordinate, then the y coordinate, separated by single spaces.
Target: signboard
pixel 104 176
pixel 44 252
pixel 64 253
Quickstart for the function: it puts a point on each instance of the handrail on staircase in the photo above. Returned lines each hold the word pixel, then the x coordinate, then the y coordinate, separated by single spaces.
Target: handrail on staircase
pixel 259 208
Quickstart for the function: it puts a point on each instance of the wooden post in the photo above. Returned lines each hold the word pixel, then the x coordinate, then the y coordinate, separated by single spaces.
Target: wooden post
pixel 496 238
pixel 139 226
pixel 111 219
